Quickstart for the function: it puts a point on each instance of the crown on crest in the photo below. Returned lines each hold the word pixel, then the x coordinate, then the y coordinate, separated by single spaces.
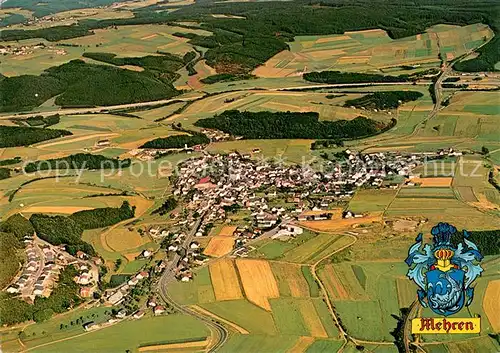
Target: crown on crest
pixel 441 234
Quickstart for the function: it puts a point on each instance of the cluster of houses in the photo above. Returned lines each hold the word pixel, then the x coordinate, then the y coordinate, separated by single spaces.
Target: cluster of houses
pixel 24 50
pixel 217 135
pixel 118 295
pixel 219 182
pixel 40 273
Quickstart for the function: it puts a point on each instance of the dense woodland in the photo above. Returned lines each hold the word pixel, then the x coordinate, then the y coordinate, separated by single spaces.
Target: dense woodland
pixel 225 78
pixel 12 233
pixel 78 161
pixel 239 45
pixel 169 205
pixel 161 66
pixel 78 84
pixel 350 77
pixel 13 136
pixel 103 217
pixel 383 100
pixel 289 125
pixel 178 141
pixel 59 230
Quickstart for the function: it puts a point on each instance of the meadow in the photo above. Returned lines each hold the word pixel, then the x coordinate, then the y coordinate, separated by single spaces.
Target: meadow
pixel 132 334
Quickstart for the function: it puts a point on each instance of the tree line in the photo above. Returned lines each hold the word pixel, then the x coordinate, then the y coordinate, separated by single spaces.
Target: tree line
pixel 290 125
pixel 79 84
pixel 383 100
pixel 14 136
pixel 78 161
pixel 68 230
pixel 349 77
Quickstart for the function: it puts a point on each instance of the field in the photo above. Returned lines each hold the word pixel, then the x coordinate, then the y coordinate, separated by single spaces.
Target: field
pixel 225 280
pixel 491 303
pixel 258 281
pixel 132 334
pixel 373 50
pixel 132 41
pixel 219 246
pixel 334 225
pixel 247 315
pixel 258 343
pixel 291 281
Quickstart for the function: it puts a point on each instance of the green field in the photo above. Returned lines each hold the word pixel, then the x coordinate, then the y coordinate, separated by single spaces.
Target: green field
pixel 132 334
pixel 244 314
pixel 258 343
pixel 198 291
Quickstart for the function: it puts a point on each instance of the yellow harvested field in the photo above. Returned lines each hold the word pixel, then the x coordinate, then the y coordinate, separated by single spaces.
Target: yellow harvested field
pixel 301 345
pixel 491 304
pixel 337 212
pixel 333 285
pixel 131 256
pixel 340 224
pixel 219 246
pixel 258 281
pixel 311 319
pixel 121 239
pixel 225 280
pixel 220 319
pixel 185 345
pixel 433 182
pixel 56 209
pixel 292 275
pixel 227 231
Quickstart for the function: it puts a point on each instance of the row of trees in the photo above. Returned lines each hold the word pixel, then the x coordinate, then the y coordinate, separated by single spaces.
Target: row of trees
pixel 350 77
pixel 225 78
pixel 169 205
pixel 103 217
pixel 178 141
pixel 59 230
pixel 78 161
pixel 13 136
pixel 383 100
pixel 290 125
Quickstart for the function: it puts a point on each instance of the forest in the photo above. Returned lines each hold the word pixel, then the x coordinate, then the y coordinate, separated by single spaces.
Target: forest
pixel 225 78
pixel 78 161
pixel 162 66
pixel 12 233
pixel 178 141
pixel 383 100
pixel 68 230
pixel 103 217
pixel 78 84
pixel 290 125
pixel 14 136
pixel 349 77
pixel 169 205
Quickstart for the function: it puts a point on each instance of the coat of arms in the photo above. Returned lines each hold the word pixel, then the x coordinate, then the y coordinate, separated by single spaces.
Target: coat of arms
pixel 443 271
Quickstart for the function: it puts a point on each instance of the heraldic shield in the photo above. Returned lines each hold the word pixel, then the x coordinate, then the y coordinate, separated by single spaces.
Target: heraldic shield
pixel 445 270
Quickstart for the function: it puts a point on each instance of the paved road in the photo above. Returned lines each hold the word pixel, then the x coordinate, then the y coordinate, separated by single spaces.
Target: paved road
pixel 220 331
